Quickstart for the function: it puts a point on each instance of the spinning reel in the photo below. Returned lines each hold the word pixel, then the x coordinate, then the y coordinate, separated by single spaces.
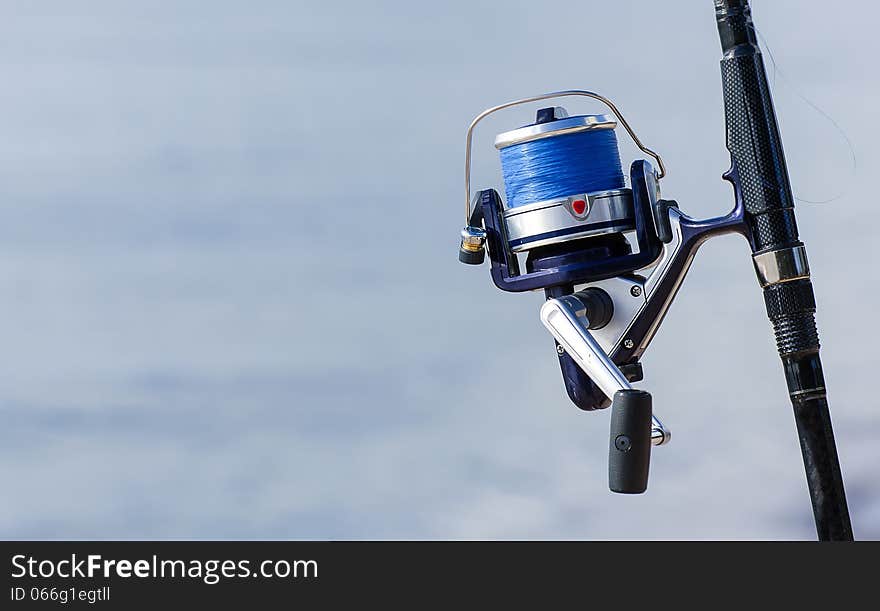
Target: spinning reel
pixel 609 259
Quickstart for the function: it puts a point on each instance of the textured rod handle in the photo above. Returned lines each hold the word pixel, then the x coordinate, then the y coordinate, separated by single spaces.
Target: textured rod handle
pixel 760 173
pixel 629 453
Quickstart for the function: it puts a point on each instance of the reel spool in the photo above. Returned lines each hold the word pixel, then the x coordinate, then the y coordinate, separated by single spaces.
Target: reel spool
pixel 563 180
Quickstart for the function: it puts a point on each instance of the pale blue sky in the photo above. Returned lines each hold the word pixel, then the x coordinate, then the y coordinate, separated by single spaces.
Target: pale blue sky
pixel 230 300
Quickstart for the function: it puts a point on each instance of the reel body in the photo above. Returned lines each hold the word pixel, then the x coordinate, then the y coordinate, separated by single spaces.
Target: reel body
pixel 568 207
pixel 608 257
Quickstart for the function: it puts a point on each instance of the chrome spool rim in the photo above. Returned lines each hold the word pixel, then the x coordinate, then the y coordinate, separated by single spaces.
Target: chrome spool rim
pixel 560 220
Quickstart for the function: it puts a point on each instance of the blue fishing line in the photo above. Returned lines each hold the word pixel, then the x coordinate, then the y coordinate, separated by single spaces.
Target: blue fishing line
pixel 582 162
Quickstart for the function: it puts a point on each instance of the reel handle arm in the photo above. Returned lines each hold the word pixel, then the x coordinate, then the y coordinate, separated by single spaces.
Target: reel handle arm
pixel 634 428
pixel 563 316
pixel 567 320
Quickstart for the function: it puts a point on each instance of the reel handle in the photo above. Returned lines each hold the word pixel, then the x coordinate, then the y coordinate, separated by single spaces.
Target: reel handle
pixel 634 428
pixel 629 451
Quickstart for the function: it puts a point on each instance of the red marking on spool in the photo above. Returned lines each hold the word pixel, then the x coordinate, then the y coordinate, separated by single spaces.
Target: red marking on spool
pixel 579 206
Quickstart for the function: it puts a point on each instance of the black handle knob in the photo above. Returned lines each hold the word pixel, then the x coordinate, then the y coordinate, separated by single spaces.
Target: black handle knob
pixel 629 453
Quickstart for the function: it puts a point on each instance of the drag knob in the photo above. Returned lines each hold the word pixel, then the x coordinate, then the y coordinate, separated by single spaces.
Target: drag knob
pixel 629 454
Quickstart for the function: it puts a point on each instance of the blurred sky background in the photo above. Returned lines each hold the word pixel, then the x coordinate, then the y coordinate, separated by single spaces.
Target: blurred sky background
pixel 231 305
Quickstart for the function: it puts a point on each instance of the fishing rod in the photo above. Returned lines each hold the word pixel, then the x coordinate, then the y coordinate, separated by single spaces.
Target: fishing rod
pixel 610 258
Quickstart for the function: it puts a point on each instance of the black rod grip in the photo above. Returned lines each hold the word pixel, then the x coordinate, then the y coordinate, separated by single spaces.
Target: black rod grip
pixel 759 172
pixel 629 453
